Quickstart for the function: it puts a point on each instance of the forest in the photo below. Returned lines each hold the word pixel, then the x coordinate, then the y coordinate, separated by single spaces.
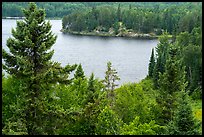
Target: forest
pixel 39 96
pixel 122 20
pixel 60 9
pixel 118 17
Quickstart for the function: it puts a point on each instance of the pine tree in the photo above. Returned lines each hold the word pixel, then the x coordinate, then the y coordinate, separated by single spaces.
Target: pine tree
pixel 79 72
pixel 80 84
pixel 184 123
pixel 29 59
pixel 91 88
pixel 109 82
pixel 161 57
pixel 119 13
pixel 151 64
pixel 171 82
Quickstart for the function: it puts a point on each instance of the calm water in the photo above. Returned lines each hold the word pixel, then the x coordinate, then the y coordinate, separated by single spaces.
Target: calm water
pixel 130 57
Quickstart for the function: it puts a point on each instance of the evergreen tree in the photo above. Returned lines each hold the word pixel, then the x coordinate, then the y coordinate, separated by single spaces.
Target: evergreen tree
pixel 151 64
pixel 190 45
pixel 119 13
pixel 29 60
pixel 171 82
pixel 91 88
pixel 111 77
pixel 109 82
pixel 184 123
pixel 80 84
pixel 161 57
pixel 79 72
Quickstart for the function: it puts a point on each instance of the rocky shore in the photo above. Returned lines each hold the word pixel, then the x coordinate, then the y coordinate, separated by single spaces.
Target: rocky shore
pixel 112 34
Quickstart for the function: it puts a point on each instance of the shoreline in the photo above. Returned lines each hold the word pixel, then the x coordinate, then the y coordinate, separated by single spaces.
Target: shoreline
pixel 102 34
pixel 14 18
pixel 131 35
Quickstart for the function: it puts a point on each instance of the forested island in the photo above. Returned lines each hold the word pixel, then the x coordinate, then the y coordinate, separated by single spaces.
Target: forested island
pixel 39 96
pixel 133 21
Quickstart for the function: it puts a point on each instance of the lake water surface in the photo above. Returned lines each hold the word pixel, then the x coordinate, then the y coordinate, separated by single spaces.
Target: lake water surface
pixel 130 57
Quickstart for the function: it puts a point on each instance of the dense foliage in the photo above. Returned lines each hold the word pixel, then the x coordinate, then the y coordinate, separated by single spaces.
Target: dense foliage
pixel 174 18
pixel 52 9
pixel 39 96
pixel 186 51
pixel 60 9
pixel 140 17
pixel 29 60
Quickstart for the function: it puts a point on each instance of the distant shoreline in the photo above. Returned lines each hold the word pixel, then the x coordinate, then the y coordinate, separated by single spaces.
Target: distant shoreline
pixel 24 18
pixel 102 34
pixel 13 17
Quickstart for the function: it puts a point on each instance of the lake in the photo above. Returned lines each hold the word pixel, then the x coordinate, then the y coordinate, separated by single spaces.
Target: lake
pixel 130 57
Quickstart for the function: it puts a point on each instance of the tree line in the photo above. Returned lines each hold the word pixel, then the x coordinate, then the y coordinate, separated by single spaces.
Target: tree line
pixel 40 97
pixel 187 51
pixel 176 71
pixel 60 9
pixel 155 19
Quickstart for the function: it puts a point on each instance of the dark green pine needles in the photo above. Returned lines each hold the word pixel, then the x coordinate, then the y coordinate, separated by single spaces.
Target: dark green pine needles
pixel 29 60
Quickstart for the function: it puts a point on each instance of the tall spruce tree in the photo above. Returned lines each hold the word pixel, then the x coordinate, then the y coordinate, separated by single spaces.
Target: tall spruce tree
pixel 29 60
pixel 80 83
pixel 171 82
pixel 151 64
pixel 161 57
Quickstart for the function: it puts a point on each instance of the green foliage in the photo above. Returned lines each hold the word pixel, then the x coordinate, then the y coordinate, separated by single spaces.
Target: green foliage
pixel 151 64
pixel 109 82
pixel 79 72
pixel 91 89
pixel 161 57
pixel 193 60
pixel 52 9
pixel 190 53
pixel 184 123
pixel 29 60
pixel 171 82
pixel 174 73
pixel 132 101
pixel 110 77
pixel 119 13
pixel 39 98
pixel 80 106
pixel 15 128
pixel 136 128
pixel 173 79
pixel 13 95
pixel 108 122
pixel 140 19
pixel 197 110
pixel 197 93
